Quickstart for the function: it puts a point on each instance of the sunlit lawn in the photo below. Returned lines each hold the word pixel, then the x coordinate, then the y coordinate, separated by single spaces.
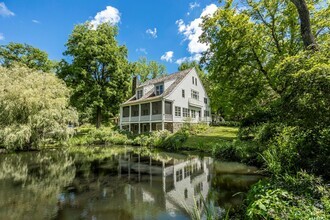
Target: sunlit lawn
pixel 211 136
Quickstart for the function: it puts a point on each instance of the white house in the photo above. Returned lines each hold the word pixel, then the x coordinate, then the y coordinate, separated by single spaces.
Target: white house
pixel 166 103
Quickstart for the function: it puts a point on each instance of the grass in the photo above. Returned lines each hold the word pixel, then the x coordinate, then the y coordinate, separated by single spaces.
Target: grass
pixel 212 136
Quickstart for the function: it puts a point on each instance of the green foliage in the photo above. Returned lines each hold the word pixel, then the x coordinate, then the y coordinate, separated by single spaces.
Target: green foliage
pixel 148 69
pixel 33 180
pixel 247 49
pixel 99 73
pixel 89 135
pixel 289 197
pixel 34 109
pixel 16 53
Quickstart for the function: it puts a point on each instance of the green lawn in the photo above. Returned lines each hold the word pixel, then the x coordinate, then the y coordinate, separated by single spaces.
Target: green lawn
pixel 211 136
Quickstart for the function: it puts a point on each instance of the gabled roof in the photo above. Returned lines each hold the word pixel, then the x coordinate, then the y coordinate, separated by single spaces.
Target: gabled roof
pixel 177 77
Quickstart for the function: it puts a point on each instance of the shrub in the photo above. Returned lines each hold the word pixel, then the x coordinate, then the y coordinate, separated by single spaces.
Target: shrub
pixel 289 197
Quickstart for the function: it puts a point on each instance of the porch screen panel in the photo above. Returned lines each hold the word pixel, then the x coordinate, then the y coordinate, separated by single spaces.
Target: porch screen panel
pixel 145 109
pixel 157 108
pixel 135 110
pixel 126 111
pixel 168 108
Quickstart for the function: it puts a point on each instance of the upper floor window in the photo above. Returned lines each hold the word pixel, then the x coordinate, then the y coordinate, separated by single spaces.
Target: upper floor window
pixel 194 94
pixel 196 81
pixel 159 89
pixel 177 111
pixel 139 94
pixel 205 100
pixel 193 80
pixel 183 93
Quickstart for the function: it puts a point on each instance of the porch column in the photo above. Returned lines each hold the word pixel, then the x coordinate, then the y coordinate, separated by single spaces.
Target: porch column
pixel 163 114
pixel 129 119
pixel 139 118
pixel 121 118
pixel 150 116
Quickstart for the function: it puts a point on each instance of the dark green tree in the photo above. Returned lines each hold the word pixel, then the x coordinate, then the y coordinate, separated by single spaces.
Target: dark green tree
pixel 16 53
pixel 99 72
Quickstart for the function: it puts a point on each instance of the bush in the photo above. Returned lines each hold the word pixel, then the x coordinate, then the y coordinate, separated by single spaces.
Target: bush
pixel 194 128
pixel 227 124
pixel 301 196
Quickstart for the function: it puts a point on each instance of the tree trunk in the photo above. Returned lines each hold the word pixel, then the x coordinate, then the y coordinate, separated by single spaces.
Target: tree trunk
pixel 305 24
pixel 98 117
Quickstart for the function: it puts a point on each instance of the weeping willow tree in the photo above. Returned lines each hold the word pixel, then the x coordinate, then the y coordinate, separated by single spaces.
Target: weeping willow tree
pixel 34 108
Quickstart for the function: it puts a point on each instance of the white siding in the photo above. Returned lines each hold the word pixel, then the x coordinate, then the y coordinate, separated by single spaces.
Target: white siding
pixel 187 85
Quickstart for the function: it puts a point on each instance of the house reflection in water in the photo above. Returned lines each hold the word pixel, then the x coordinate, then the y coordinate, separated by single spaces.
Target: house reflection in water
pixel 183 181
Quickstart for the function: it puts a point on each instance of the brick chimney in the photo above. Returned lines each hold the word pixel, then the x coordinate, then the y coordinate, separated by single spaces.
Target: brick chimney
pixel 135 84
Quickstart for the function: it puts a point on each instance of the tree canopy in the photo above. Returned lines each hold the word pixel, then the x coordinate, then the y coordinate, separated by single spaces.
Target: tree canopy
pixel 247 44
pixel 148 69
pixel 99 73
pixel 34 108
pixel 16 53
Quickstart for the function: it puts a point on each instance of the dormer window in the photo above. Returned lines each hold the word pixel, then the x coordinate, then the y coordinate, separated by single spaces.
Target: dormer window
pixel 159 89
pixel 139 94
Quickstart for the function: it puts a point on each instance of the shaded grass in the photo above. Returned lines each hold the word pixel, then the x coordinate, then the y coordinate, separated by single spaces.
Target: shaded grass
pixel 212 136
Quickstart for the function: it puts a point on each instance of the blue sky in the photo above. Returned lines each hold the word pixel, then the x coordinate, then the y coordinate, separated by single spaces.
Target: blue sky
pixel 163 30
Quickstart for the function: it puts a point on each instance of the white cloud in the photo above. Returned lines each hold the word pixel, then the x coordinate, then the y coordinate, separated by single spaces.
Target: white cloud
pixel 152 33
pixel 110 15
pixel 167 56
pixel 2 37
pixel 4 11
pixel 141 50
pixel 193 5
pixel 195 57
pixel 36 21
pixel 192 31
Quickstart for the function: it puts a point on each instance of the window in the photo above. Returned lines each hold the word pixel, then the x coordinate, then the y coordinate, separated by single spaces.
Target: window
pixel 187 171
pixel 179 175
pixel 183 94
pixel 185 112
pixel 159 89
pixel 194 94
pixel 177 111
pixel 145 109
pixel 196 81
pixel 193 113
pixel 186 193
pixel 126 111
pixel 205 100
pixel 139 94
pixel 193 80
pixel 134 110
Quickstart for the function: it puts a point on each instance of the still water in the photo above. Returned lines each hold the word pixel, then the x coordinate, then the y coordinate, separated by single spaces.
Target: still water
pixel 117 183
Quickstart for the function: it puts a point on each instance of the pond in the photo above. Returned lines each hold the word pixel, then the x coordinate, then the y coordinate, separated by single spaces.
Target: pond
pixel 117 183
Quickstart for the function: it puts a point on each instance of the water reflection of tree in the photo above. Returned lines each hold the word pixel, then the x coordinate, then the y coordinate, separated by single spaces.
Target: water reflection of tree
pixel 31 182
